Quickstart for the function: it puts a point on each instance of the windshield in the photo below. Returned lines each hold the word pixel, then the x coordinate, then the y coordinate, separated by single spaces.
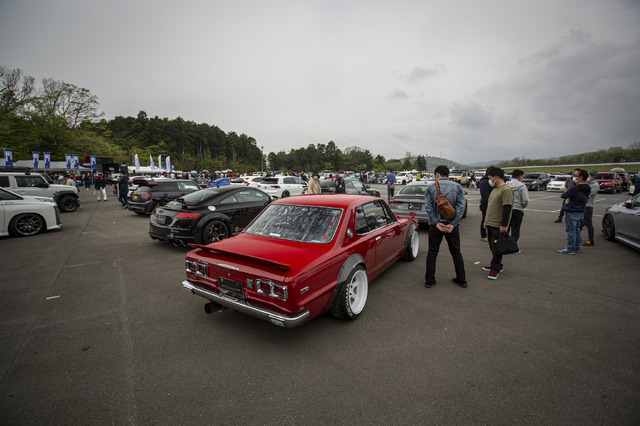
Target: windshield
pixel 561 178
pixel 308 224
pixel 605 175
pixel 531 176
pixel 47 178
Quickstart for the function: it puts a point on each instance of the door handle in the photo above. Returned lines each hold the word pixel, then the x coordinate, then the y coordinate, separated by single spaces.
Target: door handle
pixel 378 238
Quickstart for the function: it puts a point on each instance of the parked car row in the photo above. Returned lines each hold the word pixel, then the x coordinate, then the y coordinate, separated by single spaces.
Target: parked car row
pixel 25 215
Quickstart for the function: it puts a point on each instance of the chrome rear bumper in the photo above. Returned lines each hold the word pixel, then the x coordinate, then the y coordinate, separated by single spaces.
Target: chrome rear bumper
pixel 244 307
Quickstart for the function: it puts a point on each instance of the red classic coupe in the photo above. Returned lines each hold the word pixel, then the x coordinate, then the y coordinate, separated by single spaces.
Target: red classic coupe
pixel 301 257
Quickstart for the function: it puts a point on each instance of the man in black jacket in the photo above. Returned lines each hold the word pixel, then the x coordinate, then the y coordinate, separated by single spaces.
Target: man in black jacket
pixel 575 202
pixel 485 190
pixel 123 190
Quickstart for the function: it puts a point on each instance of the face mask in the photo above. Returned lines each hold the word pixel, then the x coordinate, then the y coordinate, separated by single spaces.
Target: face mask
pixel 575 179
pixel 492 183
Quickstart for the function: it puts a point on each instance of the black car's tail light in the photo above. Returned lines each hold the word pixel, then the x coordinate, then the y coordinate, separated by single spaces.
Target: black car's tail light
pixel 189 215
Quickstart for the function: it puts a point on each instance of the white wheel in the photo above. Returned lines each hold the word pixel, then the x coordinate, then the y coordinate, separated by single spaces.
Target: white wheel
pixel 352 295
pixel 413 245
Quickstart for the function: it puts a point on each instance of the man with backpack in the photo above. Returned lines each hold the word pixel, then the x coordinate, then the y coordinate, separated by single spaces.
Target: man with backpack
pixel 440 227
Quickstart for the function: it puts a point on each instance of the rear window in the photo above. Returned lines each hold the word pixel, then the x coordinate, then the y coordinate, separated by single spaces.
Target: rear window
pixel 4 182
pixel 270 181
pixel 605 175
pixel 308 224
pixel 531 176
pixel 413 190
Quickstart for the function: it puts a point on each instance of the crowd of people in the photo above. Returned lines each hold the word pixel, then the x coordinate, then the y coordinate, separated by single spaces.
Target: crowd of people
pixel 502 206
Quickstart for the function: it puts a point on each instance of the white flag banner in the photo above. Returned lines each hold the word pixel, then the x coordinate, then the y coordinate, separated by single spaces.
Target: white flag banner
pixel 160 161
pixel 137 161
pixel 168 162
pixel 153 167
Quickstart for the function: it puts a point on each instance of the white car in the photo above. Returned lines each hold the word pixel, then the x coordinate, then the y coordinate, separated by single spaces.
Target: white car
pixel 283 186
pixel 557 183
pixel 24 215
pixel 253 181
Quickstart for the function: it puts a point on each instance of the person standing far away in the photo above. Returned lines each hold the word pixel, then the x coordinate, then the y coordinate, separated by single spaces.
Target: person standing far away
pixel 314 184
pixel 438 227
pixel 100 187
pixel 485 191
pixel 123 190
pixel 636 184
pixel 339 182
pixel 499 207
pixel 568 184
pixel 391 185
pixel 520 202
pixel 574 209
pixel 594 185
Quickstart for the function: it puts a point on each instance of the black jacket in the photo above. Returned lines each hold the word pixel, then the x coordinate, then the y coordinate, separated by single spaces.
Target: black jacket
pixel 577 196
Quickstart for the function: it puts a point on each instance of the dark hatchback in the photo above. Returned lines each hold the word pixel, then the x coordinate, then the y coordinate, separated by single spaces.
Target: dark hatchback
pixel 351 186
pixel 149 194
pixel 208 215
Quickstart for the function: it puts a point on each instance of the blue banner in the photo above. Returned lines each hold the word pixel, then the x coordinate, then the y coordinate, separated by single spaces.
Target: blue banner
pixel 8 158
pixel 47 160
pixel 93 162
pixel 67 159
pixel 36 157
pixel 76 161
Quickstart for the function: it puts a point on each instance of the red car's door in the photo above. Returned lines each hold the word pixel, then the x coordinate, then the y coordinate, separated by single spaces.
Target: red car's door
pixel 385 231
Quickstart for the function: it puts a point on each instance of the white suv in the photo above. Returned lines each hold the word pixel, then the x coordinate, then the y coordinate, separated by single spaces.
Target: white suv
pixel 35 184
pixel 283 186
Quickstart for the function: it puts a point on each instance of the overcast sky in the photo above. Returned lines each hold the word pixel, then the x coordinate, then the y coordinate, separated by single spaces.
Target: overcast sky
pixel 471 80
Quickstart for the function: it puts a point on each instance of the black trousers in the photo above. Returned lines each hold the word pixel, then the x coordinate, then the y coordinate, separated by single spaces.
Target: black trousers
pixel 588 221
pixel 483 209
pixel 453 241
pixel 496 260
pixel 516 222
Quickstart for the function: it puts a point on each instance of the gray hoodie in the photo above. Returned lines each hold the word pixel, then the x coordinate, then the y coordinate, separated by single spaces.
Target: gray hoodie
pixel 520 194
pixel 595 187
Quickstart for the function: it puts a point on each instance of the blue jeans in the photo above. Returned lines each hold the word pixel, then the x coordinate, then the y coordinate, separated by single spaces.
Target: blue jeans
pixel 573 227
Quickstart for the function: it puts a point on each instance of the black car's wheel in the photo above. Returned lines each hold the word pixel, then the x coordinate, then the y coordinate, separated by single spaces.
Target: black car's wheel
pixel 215 230
pixel 68 203
pixel 464 213
pixel 412 247
pixel 26 224
pixel 285 194
pixel 608 228
pixel 352 295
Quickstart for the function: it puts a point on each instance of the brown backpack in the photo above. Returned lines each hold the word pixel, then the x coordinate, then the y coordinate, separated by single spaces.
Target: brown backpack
pixel 444 206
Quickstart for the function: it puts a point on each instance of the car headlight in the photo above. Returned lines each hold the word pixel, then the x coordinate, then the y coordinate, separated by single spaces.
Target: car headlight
pixel 269 288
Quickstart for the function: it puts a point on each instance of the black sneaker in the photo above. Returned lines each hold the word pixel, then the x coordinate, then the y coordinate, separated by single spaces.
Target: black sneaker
pixel 488 269
pixel 461 283
pixel 558 221
pixel 428 284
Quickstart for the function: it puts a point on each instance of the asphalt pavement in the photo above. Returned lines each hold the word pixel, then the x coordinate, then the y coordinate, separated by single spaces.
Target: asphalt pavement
pixel 97 329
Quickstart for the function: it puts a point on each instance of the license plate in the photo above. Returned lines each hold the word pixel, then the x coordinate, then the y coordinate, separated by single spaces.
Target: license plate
pixel 415 206
pixel 231 288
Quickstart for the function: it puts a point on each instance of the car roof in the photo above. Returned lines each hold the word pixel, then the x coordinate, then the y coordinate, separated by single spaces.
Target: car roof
pixel 342 201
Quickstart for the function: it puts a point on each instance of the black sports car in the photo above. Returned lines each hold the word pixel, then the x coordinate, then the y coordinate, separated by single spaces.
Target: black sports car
pixel 208 215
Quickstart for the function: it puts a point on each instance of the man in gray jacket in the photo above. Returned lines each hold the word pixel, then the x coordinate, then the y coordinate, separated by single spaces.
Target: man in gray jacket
pixel 520 202
pixel 588 211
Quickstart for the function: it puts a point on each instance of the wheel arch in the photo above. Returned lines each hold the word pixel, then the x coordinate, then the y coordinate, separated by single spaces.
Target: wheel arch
pixel 204 221
pixel 348 266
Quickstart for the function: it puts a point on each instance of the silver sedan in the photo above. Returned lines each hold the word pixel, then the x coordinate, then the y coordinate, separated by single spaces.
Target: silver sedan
pixel 622 222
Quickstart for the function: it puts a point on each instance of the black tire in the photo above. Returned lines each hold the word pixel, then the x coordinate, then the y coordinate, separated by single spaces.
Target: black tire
pixel 285 194
pixel 608 228
pixel 139 212
pixel 26 224
pixel 68 203
pixel 464 213
pixel 216 230
pixel 412 246
pixel 352 295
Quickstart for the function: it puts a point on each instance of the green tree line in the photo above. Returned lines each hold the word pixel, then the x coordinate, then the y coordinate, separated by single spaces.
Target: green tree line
pixel 63 118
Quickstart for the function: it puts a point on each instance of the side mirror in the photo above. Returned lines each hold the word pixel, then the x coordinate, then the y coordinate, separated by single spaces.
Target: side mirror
pixel 628 204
